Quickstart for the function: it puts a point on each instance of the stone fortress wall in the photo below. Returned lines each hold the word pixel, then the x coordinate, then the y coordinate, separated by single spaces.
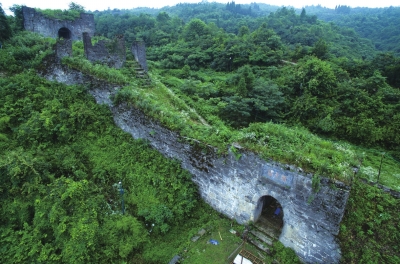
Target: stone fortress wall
pixel 236 187
pixel 233 186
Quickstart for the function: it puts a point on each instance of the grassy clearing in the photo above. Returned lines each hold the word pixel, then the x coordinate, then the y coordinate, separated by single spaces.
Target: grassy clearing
pixel 178 240
pixel 175 242
pixel 202 251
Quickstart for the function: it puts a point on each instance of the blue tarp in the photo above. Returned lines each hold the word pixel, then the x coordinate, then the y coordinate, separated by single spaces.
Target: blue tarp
pixel 214 242
pixel 277 211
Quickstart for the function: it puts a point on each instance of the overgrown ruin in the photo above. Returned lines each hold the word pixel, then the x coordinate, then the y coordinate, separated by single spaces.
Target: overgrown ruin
pixel 237 186
pixel 55 28
pixel 139 51
pixel 111 52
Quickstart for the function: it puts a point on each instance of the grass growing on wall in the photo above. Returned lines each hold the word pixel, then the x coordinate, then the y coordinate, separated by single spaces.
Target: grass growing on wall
pixel 96 70
pixel 59 14
pixel 371 169
pixel 61 157
pixel 197 119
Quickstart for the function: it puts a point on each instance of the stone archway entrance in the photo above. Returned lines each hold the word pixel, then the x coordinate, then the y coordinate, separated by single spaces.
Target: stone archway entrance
pixel 268 222
pixel 64 33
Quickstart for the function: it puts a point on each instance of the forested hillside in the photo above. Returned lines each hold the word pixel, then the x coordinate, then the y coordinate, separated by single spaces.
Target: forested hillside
pixel 281 67
pixel 380 25
pixel 283 84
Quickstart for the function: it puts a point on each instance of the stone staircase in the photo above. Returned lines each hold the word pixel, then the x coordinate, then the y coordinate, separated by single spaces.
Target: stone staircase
pixel 138 70
pixel 264 232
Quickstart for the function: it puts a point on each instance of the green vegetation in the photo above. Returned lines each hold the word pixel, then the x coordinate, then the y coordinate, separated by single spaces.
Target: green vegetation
pixel 5 29
pixel 72 13
pixel 27 51
pixel 97 70
pixel 377 24
pixel 370 230
pixel 60 157
pixel 244 96
pixel 219 99
pixel 289 87
pixel 60 14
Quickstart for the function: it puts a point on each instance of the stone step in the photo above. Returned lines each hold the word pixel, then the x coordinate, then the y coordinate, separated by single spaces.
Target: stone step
pixel 267 227
pixel 259 244
pixel 262 237
pixel 131 63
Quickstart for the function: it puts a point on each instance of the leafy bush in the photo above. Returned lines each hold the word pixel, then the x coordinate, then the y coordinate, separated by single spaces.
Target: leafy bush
pixel 60 14
pixel 24 51
pixel 370 230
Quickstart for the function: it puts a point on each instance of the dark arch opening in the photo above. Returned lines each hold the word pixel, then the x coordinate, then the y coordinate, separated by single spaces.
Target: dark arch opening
pixel 64 33
pixel 268 216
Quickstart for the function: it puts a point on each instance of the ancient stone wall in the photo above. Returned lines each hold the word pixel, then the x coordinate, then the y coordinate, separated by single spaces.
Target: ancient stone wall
pixel 110 52
pixel 36 22
pixel 234 185
pixel 139 51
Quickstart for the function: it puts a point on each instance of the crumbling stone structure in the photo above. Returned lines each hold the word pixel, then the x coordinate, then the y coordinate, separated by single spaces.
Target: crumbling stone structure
pixel 139 51
pixel 63 48
pixel 237 186
pixel 111 52
pixel 55 28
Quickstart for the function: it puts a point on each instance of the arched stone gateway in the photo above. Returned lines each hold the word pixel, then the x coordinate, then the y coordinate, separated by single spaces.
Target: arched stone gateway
pixel 64 33
pixel 55 28
pixel 269 207
pixel 268 222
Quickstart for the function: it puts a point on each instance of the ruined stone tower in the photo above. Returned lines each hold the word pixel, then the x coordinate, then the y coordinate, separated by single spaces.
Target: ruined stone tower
pixel 110 52
pixel 139 51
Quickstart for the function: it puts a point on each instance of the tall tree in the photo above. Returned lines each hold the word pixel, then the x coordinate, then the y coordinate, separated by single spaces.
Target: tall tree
pixel 76 7
pixel 5 29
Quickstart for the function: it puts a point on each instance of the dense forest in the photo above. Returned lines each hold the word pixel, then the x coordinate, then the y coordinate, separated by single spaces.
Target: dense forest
pixel 316 88
pixel 377 24
pixel 281 67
